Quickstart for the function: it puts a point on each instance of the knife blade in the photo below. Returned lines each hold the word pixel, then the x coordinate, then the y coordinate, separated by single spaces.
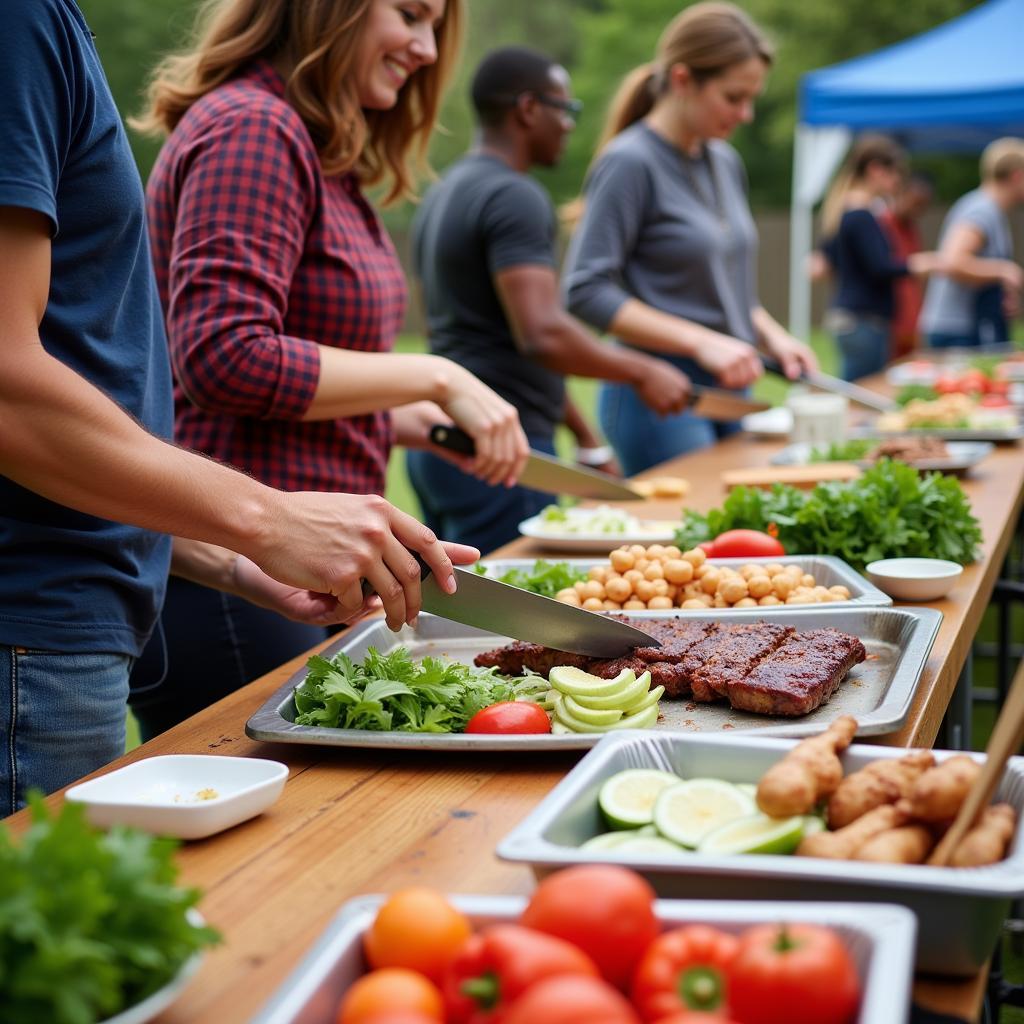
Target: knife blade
pixel 837 386
pixel 544 472
pixel 722 406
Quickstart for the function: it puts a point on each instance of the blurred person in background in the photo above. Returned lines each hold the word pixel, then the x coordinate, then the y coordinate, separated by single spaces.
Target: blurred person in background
pixel 979 290
pixel 282 291
pixel 484 251
pixel 664 256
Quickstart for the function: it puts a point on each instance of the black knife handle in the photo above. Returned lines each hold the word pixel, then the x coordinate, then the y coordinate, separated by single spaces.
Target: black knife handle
pixel 772 366
pixel 425 571
pixel 453 438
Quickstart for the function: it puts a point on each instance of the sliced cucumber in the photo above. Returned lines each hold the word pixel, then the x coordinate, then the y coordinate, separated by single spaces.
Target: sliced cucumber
pixel 646 718
pixel 619 699
pixel 593 716
pixel 688 811
pixel 755 834
pixel 627 799
pixel 575 681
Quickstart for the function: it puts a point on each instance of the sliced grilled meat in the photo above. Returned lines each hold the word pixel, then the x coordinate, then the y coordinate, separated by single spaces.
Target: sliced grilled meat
pixel 727 656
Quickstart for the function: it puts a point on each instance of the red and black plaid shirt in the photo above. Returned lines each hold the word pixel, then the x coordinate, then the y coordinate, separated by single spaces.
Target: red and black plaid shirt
pixel 259 258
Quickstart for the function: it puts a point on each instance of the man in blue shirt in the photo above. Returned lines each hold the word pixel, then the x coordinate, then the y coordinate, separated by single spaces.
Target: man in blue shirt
pixel 89 485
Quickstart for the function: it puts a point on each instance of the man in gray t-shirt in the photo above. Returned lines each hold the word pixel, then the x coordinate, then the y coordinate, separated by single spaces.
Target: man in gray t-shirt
pixel 970 303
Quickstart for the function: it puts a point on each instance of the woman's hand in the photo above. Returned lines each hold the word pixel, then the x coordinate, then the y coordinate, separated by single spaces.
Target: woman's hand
pixel 793 355
pixel 734 364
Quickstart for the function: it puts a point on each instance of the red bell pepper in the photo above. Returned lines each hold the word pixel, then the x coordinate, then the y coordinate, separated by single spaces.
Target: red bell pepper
pixel 498 964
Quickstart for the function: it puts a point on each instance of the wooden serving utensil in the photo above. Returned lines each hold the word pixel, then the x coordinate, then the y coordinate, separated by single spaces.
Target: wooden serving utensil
pixel 1005 740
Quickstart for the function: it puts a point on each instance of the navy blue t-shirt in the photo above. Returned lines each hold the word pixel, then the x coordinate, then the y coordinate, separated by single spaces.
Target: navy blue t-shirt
pixel 864 265
pixel 69 581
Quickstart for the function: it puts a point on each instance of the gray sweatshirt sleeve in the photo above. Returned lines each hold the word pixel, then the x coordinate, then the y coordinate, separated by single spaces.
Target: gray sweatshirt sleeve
pixel 593 279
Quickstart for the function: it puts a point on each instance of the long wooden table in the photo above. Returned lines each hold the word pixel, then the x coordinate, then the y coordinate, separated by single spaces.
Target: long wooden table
pixel 352 822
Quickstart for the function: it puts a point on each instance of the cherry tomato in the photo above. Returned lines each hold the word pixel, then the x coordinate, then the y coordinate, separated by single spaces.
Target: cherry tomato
pixel 571 999
pixel 390 990
pixel 607 911
pixel 694 1017
pixel 793 974
pixel 746 544
pixel 416 928
pixel 994 401
pixel 510 716
pixel 946 385
pixel 403 1017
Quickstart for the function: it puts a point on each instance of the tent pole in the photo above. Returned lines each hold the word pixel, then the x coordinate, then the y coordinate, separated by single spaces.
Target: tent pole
pixel 800 238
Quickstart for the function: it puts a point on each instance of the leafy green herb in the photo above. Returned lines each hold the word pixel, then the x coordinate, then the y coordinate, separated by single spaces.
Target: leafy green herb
pixel 987 364
pixel 90 923
pixel 546 578
pixel 391 692
pixel 910 392
pixel 841 451
pixel 890 511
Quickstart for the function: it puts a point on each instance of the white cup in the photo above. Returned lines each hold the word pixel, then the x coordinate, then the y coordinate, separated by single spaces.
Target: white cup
pixel 818 419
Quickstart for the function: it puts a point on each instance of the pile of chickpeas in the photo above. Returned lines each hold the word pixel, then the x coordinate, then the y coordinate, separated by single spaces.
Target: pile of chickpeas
pixel 660 577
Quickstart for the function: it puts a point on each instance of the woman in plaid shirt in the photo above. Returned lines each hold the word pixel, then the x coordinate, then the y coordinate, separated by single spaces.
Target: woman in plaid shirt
pixel 282 291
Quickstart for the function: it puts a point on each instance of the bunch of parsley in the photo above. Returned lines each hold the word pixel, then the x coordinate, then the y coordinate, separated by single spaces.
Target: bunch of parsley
pixel 546 578
pixel 890 511
pixel 392 692
pixel 90 923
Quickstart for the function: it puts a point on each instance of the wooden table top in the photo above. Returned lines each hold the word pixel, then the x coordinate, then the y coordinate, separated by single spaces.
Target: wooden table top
pixel 352 822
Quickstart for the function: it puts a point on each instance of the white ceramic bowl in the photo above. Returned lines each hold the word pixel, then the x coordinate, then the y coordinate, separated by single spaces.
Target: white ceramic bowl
pixel 188 796
pixel 914 579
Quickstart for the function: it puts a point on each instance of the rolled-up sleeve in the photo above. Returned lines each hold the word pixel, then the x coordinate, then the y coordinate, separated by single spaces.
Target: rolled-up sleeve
pixel 246 200
pixel 594 280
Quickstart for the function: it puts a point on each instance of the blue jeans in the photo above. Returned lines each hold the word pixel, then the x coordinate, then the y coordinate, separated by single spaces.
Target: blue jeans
pixel 459 507
pixel 863 347
pixel 641 438
pixel 990 326
pixel 61 717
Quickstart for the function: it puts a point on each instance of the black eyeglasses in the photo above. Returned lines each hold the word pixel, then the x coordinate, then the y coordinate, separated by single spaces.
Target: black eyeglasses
pixel 571 107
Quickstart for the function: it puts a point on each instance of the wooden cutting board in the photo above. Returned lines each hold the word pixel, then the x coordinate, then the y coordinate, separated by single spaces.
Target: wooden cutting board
pixel 797 476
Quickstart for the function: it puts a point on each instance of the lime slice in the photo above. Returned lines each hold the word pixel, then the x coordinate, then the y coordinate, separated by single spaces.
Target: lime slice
pixel 756 834
pixel 812 825
pixel 750 788
pixel 593 716
pixel 609 840
pixel 567 679
pixel 631 693
pixel 627 799
pixel 657 846
pixel 688 811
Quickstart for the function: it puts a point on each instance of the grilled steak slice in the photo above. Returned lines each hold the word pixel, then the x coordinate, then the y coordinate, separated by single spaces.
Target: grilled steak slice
pixel 513 658
pixel 671 675
pixel 727 656
pixel 675 640
pixel 609 669
pixel 798 676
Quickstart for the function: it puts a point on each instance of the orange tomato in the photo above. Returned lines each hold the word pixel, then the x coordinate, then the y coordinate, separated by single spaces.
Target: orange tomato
pixel 390 990
pixel 416 928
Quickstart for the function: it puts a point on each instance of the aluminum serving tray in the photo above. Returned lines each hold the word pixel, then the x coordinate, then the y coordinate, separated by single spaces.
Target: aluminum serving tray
pixel 999 435
pixel 827 570
pixel 963 455
pixel 960 911
pixel 877 692
pixel 879 938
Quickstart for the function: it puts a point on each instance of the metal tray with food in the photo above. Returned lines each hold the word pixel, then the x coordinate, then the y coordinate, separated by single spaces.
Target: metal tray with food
pixel 960 911
pixel 827 570
pixel 997 434
pixel 880 940
pixel 877 692
pixel 593 529
pixel 959 457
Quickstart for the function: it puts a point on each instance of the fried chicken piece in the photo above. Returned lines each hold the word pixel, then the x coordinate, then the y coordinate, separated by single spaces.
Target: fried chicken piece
pixel 844 843
pixel 987 841
pixel 880 782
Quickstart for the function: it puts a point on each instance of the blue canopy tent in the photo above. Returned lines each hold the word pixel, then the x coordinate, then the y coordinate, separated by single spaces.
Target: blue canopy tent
pixel 953 88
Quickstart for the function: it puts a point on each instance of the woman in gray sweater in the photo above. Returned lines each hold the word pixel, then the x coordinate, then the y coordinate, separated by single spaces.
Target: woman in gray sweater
pixel 664 255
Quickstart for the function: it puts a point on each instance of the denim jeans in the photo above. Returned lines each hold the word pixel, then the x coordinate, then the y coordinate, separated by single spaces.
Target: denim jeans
pixel 61 717
pixel 461 508
pixel 863 346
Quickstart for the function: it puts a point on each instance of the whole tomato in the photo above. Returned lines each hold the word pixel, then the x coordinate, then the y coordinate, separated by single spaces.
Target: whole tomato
pixel 510 716
pixel 746 544
pixel 793 974
pixel 416 928
pixel 402 1017
pixel 694 1017
pixel 571 999
pixel 390 990
pixel 684 969
pixel 607 911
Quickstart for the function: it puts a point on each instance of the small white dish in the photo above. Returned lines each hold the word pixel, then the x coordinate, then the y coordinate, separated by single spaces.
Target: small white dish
pixel 774 422
pixel 914 579
pixel 582 531
pixel 188 796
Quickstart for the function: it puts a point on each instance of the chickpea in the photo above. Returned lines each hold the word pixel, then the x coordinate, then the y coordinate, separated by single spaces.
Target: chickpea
pixel 768 600
pixel 612 606
pixel 659 602
pixel 678 570
pixel 638 551
pixel 569 597
pixel 727 572
pixel 693 602
pixel 719 602
pixel 594 604
pixel 700 571
pixel 673 592
pixel 782 585
pixel 634 605
pixel 671 551
pixel 759 586
pixel 644 590
pixel 794 570
pixel 641 563
pixel 840 592
pixel 656 551
pixel 825 598
pixel 807 580
pixel 732 591
pixel 618 589
pixel 578 587
pixel 797 598
pixel 592 588
pixel 632 575
pixel 660 588
pixel 599 573
pixel 710 580
pixel 772 568
pixel 707 600
pixel 745 602
pixel 696 556
pixel 750 569
pixel 654 571
pixel 819 589
pixel 622 559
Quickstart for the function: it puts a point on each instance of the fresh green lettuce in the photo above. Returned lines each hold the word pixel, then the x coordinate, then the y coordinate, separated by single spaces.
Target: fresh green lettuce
pixel 546 578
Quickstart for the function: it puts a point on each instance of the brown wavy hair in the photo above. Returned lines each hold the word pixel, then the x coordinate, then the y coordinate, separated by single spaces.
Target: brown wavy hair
pixel 867 150
pixel 319 40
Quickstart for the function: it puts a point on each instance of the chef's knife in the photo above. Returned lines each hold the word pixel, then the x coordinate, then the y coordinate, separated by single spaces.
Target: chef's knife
pixel 509 611
pixel 837 386
pixel 722 406
pixel 544 472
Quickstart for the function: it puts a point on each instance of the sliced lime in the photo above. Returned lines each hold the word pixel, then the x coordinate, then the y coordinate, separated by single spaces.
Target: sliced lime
pixel 627 799
pixel 567 679
pixel 813 824
pixel 631 693
pixel 688 811
pixel 608 840
pixel 756 834
pixel 651 845
pixel 750 788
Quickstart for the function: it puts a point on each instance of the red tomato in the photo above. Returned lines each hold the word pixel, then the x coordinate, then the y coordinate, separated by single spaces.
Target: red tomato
pixel 746 544
pixel 571 999
pixel 993 401
pixel 416 928
pixel 946 385
pixel 402 1017
pixel 694 1017
pixel 607 911
pixel 999 387
pixel 793 974
pixel 972 381
pixel 390 990
pixel 510 716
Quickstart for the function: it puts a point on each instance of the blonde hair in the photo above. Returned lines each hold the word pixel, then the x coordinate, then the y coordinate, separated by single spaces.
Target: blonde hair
pixel 319 40
pixel 1001 158
pixel 867 150
pixel 709 38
